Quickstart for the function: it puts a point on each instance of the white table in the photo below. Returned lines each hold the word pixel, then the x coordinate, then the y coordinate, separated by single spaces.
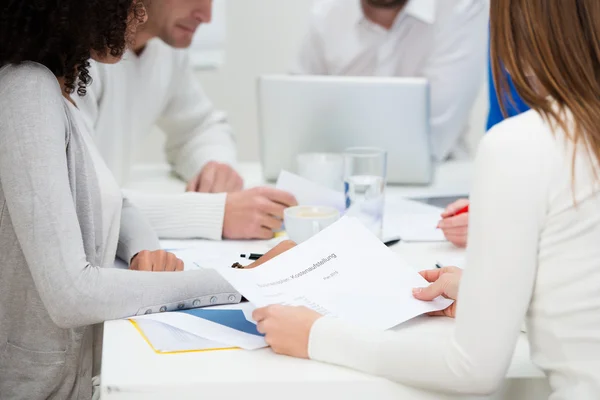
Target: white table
pixel 131 370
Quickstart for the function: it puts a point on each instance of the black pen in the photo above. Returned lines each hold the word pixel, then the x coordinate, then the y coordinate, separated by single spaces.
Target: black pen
pixel 392 242
pixel 254 257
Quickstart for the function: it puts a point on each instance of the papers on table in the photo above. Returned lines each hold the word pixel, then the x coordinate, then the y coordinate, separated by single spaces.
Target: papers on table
pixel 213 328
pixel 344 271
pixel 213 254
pixel 413 228
pixel 165 338
pixel 308 193
pixel 411 221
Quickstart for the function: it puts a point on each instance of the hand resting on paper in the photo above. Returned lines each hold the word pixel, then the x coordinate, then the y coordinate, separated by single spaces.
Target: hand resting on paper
pixel 156 261
pixel 444 282
pixel 455 227
pixel 286 328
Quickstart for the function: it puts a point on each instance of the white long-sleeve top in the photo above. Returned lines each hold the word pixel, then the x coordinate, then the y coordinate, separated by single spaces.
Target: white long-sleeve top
pixel 534 253
pixel 159 88
pixel 444 41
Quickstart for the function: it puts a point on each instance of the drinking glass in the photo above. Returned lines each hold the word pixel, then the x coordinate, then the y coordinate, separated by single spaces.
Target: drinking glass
pixel 365 172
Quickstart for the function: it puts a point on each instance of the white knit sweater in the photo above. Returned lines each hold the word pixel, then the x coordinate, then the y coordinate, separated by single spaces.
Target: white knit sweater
pixel 159 88
pixel 533 254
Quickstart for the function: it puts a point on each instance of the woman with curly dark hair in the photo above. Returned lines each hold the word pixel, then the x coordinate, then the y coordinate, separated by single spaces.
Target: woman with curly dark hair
pixel 62 216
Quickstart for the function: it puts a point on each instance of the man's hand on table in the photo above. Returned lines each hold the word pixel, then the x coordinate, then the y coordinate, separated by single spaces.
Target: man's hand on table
pixel 255 213
pixel 216 178
pixel 156 261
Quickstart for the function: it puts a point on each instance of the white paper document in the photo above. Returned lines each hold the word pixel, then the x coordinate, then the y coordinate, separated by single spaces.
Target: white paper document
pixel 413 227
pixel 411 221
pixel 344 271
pixel 165 338
pixel 184 331
pixel 200 254
pixel 308 193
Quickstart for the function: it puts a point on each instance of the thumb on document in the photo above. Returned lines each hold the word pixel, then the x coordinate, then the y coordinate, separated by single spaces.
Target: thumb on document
pixel 430 292
pixel 444 282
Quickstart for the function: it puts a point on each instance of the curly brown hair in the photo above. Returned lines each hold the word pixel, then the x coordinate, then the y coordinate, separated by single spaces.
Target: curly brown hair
pixel 62 34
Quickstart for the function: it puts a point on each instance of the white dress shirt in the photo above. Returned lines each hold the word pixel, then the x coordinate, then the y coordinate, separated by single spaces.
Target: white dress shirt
pixel 444 41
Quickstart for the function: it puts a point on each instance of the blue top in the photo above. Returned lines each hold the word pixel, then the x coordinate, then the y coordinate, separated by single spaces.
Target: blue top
pixel 495 116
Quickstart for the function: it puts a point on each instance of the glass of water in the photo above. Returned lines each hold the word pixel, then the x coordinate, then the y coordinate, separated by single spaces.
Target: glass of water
pixel 365 172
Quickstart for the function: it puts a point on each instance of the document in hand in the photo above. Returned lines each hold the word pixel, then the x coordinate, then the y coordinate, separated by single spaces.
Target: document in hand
pixel 344 271
pixel 308 193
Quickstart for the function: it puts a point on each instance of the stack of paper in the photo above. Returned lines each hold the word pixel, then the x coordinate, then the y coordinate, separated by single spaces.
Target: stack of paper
pixel 165 339
pixel 214 328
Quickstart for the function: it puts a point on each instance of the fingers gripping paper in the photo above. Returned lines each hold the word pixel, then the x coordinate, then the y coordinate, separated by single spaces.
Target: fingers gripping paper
pixel 344 271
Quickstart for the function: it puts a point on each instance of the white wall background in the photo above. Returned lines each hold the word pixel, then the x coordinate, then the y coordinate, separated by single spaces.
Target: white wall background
pixel 263 37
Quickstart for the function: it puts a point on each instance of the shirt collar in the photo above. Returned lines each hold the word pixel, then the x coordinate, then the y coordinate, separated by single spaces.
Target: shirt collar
pixel 423 10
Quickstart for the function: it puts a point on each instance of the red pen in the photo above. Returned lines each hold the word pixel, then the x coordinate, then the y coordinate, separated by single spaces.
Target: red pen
pixel 463 210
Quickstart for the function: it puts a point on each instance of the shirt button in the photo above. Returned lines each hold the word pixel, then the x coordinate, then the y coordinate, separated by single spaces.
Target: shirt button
pixel 196 303
pixel 181 306
pixel 163 309
pixel 232 298
pixel 213 300
pixel 148 312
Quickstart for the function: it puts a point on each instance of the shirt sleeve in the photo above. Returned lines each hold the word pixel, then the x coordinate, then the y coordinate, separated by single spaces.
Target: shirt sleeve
pixel 183 216
pixel 510 190
pixel 456 72
pixel 196 132
pixel 311 57
pixel 36 186
pixel 135 233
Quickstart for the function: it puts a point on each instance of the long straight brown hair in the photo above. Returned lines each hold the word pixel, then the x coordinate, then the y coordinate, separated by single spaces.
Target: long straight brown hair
pixel 558 43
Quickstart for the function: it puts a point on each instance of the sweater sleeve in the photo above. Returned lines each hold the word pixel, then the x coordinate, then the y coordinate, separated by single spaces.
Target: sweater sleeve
pixel 183 216
pixel 510 191
pixel 34 178
pixel 135 233
pixel 196 132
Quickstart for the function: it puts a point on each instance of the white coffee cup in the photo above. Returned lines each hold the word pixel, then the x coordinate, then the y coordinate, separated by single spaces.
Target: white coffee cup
pixel 303 222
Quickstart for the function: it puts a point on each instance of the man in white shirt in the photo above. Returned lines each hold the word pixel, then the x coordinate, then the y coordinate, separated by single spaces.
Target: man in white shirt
pixel 155 85
pixel 444 41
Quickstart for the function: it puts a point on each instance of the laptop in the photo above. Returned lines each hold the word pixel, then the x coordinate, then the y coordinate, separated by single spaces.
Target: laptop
pixel 328 114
